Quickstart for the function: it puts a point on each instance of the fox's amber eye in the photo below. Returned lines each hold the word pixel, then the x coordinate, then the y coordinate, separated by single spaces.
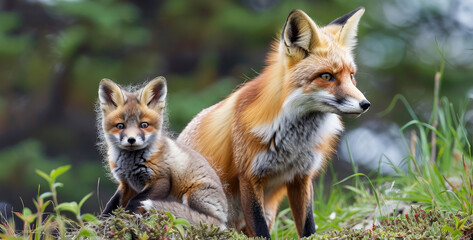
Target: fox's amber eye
pixel 120 126
pixel 352 75
pixel 144 125
pixel 327 77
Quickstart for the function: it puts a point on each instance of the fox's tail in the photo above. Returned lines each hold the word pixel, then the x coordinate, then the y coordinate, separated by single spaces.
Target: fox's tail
pixel 180 210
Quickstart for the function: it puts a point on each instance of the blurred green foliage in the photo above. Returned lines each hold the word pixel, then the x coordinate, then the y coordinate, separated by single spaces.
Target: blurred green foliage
pixel 20 162
pixel 10 45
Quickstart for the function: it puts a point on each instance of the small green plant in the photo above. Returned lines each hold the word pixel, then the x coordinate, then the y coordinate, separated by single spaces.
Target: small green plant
pixel 41 226
pixel 177 225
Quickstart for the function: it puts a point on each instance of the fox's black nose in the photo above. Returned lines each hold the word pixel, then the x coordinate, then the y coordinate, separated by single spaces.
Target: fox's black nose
pixel 365 104
pixel 131 140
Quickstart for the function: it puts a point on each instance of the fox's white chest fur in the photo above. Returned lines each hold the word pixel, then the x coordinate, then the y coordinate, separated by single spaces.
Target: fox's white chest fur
pixel 292 139
pixel 292 146
pixel 130 168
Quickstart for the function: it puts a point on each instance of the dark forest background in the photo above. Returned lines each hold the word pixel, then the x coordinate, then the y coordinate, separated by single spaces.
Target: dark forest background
pixel 53 53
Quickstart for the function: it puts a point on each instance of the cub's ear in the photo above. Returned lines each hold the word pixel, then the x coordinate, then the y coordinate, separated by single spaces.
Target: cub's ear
pixel 110 94
pixel 345 28
pixel 154 93
pixel 299 34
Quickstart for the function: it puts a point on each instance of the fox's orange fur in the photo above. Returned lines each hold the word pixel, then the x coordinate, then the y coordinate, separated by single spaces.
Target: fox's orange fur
pixel 272 136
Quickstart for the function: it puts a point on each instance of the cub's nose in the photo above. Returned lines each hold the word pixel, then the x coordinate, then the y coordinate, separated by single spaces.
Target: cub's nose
pixel 365 104
pixel 131 140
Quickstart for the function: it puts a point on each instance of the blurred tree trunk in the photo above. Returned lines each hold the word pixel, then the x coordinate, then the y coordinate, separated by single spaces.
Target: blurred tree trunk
pixel 35 21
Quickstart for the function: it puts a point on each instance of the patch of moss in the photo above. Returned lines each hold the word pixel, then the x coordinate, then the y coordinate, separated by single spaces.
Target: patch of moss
pixel 416 224
pixel 156 225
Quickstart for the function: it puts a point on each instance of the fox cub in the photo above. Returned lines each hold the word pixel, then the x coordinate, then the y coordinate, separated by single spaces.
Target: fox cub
pixel 273 135
pixel 152 170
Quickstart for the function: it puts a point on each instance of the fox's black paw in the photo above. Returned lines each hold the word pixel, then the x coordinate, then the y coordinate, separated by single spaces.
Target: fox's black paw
pixel 133 207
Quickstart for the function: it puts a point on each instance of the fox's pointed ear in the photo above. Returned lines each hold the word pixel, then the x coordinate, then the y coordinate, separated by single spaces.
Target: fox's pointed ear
pixel 154 93
pixel 345 28
pixel 299 34
pixel 110 94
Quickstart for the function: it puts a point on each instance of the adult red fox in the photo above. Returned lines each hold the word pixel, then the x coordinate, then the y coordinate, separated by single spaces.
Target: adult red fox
pixel 272 136
pixel 152 170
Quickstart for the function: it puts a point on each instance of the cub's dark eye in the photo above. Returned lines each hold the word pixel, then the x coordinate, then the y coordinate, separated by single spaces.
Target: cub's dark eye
pixel 144 125
pixel 327 77
pixel 120 126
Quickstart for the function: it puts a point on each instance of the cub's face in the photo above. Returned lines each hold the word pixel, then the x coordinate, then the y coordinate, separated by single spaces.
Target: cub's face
pixel 132 121
pixel 132 126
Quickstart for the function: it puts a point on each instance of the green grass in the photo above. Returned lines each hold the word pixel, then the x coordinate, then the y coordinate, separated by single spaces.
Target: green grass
pixel 438 185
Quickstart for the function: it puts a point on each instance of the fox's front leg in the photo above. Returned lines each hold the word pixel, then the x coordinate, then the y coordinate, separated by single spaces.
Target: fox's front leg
pixel 113 203
pixel 159 189
pixel 252 205
pixel 120 198
pixel 300 193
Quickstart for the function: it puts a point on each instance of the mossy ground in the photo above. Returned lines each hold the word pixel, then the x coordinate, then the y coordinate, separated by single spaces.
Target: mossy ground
pixel 416 224
pixel 156 225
